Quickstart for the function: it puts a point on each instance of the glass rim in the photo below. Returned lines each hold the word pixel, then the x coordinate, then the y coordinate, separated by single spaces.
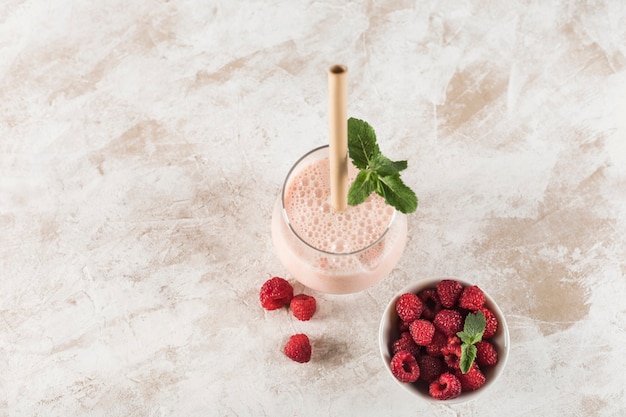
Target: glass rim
pixel 300 238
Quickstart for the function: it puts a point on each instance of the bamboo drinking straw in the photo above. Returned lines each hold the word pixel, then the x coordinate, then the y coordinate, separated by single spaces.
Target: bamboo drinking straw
pixel 338 136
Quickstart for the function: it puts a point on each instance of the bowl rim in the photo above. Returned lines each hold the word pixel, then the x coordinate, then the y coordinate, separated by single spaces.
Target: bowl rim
pixel 386 329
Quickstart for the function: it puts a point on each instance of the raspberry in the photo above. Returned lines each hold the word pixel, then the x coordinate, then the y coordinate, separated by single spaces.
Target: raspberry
pixel 448 322
pixel 405 367
pixel 431 302
pixel 472 380
pixel 275 293
pixel 409 307
pixel 298 348
pixel 403 326
pixel 430 368
pixel 491 325
pixel 445 387
pixel 439 340
pixel 422 331
pixel 453 341
pixel 303 306
pixel 449 291
pixel 472 298
pixel 486 354
pixel 452 353
pixel 406 342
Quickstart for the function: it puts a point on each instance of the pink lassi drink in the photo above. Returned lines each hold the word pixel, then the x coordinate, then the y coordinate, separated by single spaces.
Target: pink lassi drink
pixel 329 251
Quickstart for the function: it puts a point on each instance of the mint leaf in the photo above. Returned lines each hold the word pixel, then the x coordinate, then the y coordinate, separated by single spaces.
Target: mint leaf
pixel 378 173
pixel 472 333
pixel 475 325
pixel 465 337
pixel 468 354
pixel 362 146
pixel 364 184
pixel 385 166
pixel 397 194
pixel 470 338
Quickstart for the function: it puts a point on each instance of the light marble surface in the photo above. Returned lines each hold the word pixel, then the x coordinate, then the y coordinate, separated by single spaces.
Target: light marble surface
pixel 142 146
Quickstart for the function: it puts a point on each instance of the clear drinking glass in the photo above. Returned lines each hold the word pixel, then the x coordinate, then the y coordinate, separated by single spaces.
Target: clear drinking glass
pixel 336 253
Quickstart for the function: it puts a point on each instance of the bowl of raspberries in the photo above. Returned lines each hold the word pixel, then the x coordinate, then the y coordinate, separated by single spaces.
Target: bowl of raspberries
pixel 444 339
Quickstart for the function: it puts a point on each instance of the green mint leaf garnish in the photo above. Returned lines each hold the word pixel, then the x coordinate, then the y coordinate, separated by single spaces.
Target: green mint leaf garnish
pixel 362 146
pixel 475 325
pixel 472 333
pixel 378 173
pixel 468 354
pixel 397 194
pixel 465 337
pixel 361 188
pixel 385 166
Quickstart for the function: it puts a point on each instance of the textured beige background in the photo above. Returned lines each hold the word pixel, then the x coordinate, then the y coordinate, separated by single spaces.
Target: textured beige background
pixel 142 145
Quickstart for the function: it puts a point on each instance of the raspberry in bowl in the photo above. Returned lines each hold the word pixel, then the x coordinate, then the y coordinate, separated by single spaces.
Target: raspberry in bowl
pixel 444 340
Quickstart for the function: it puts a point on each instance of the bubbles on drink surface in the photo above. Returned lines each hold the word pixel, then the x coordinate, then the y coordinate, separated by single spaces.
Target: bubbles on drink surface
pixel 308 207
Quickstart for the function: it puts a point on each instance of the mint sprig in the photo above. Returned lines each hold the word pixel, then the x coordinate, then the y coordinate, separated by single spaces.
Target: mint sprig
pixel 377 172
pixel 472 333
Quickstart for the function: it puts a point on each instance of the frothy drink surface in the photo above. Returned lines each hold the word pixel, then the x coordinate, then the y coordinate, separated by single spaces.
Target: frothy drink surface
pixel 307 202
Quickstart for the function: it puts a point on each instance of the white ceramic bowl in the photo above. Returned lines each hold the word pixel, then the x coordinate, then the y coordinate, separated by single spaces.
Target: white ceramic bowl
pixel 389 332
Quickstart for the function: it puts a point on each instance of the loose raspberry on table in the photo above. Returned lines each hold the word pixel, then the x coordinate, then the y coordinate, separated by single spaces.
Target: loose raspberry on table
pixel 422 331
pixel 439 341
pixel 409 307
pixel 486 354
pixel 431 302
pixel 472 298
pixel 430 367
pixel 298 348
pixel 472 380
pixel 448 322
pixel 404 367
pixel 303 306
pixel 445 387
pixel 491 323
pixel 275 293
pixel 406 342
pixel 449 291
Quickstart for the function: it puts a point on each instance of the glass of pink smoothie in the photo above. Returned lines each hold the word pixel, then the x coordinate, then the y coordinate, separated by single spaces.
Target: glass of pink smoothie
pixel 329 251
